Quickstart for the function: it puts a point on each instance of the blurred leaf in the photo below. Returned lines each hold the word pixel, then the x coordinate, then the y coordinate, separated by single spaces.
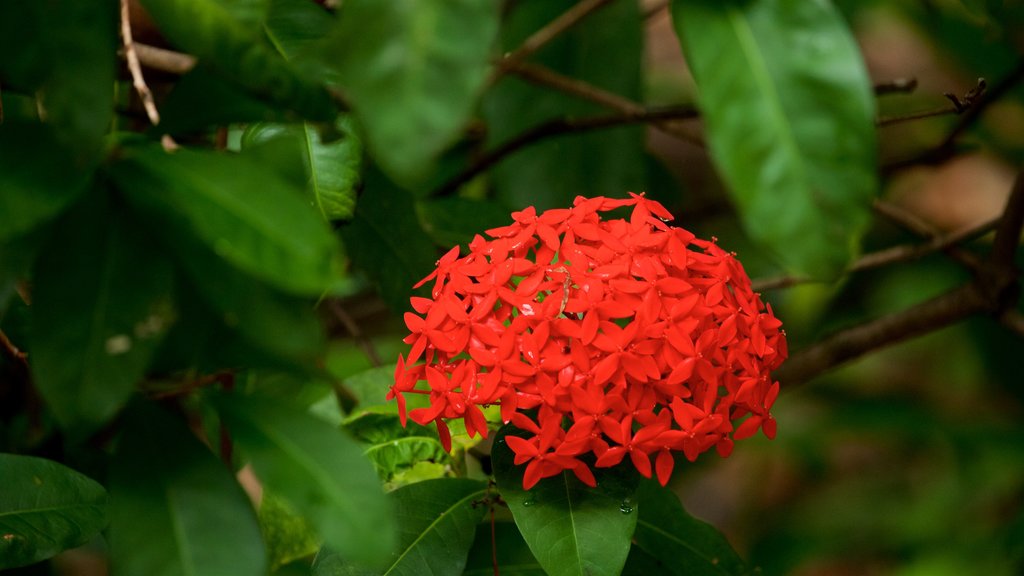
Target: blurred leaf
pixel 454 221
pixel 249 13
pixel 38 177
pixel 333 168
pixel 214 33
pixel 174 508
pixel 293 26
pixel 513 555
pixel 606 50
pixel 640 563
pixel 681 543
pixel 63 51
pixel 437 522
pixel 317 469
pixel 571 528
pixel 789 114
pixel 101 305
pixel 385 240
pixel 45 508
pixel 412 70
pixel 246 213
pixel 204 97
pixel 289 536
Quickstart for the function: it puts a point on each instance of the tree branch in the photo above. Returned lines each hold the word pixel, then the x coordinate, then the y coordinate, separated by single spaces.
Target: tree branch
pixel 552 30
pixel 135 68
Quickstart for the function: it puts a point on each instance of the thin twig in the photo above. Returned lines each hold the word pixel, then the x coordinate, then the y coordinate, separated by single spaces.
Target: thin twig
pixel 353 329
pixel 892 120
pixel 888 256
pixel 914 224
pixel 135 68
pixel 11 350
pixel 163 60
pixel 557 127
pixel 552 30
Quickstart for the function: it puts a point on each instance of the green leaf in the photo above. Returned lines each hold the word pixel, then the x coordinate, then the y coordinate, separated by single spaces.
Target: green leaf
pixel 101 305
pixel 454 220
pixel 45 508
pixel 606 50
pixel 684 545
pixel 789 114
pixel 317 469
pixel 245 212
pixel 394 448
pixel 174 508
pixel 38 177
pixel 289 536
pixel 571 528
pixel 64 54
pixel 294 26
pixel 412 70
pixel 213 32
pixel 437 522
pixel 332 168
pixel 512 554
pixel 386 240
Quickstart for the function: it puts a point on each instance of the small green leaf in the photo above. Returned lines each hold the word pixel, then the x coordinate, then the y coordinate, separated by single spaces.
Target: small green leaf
pixel 215 33
pixel 101 305
pixel 243 211
pixel 789 113
pixel 385 239
pixel 64 53
pixel 38 177
pixel 332 168
pixel 605 49
pixel 317 469
pixel 394 448
pixel 684 545
pixel 45 508
pixel 412 69
pixel 572 529
pixel 174 508
pixel 512 554
pixel 437 522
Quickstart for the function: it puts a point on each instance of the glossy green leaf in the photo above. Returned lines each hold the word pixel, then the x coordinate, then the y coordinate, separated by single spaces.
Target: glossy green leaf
pixel 101 304
pixel 512 554
pixel 412 70
pixel 45 508
pixel 317 469
pixel 684 545
pixel 214 33
pixel 394 448
pixel 174 508
pixel 242 210
pixel 332 167
pixel 37 175
pixel 61 51
pixel 572 529
pixel 605 49
pixel 789 114
pixel 437 523
pixel 386 240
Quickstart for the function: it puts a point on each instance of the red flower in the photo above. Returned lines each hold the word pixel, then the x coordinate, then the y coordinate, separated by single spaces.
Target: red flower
pixel 610 338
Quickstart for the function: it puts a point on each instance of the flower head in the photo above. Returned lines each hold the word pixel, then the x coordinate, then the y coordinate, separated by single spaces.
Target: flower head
pixel 613 338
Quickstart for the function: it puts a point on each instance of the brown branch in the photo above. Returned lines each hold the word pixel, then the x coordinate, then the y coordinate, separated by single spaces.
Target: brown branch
pixel 558 127
pixel 912 223
pixel 886 121
pixel 135 68
pixel 164 60
pixel 353 329
pixel 1007 239
pixel 11 350
pixel 552 30
pixel 854 342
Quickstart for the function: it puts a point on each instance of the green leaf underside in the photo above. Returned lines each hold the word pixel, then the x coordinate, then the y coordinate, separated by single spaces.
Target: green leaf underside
pixel 789 116
pixel 86 365
pixel 684 545
pixel 332 168
pixel 45 508
pixel 61 51
pixel 412 69
pixel 605 49
pixel 385 239
pixel 317 469
pixel 164 483
pixel 437 523
pixel 572 529
pixel 216 34
pixel 244 212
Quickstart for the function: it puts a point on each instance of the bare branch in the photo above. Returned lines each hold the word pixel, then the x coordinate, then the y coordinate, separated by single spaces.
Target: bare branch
pixel 893 120
pixel 552 30
pixel 135 68
pixel 164 60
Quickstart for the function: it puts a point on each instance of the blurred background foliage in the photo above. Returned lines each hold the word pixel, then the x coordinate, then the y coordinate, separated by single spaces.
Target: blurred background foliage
pixel 907 462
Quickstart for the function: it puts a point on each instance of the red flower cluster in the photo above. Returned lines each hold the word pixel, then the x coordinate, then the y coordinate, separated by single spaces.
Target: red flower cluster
pixel 608 337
